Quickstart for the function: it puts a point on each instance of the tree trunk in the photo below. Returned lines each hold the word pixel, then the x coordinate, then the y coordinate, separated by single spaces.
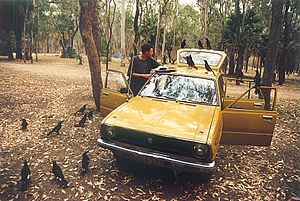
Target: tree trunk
pixel 158 30
pixel 247 62
pixel 283 57
pixel 88 14
pixel 123 21
pixel 240 59
pixel 273 47
pixel 205 20
pixel 136 28
pixel 163 43
pixel 231 61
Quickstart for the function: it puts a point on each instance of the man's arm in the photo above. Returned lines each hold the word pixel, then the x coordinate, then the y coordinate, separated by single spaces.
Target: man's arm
pixel 142 75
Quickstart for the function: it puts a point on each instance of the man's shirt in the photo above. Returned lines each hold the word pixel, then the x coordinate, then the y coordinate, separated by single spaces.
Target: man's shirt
pixel 141 67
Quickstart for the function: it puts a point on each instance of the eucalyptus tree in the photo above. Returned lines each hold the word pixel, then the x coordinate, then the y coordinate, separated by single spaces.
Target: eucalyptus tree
pixel 90 33
pixel 290 40
pixel 162 9
pixel 63 16
pixel 273 47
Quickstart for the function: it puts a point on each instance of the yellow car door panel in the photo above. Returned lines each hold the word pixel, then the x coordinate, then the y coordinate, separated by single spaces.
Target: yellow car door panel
pixel 247 122
pixel 248 127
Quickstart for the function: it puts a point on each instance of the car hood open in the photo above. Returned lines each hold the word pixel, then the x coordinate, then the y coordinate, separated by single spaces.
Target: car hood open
pixel 167 118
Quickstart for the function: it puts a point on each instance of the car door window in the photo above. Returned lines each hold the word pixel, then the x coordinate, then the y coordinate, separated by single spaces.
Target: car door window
pixel 115 81
pixel 252 98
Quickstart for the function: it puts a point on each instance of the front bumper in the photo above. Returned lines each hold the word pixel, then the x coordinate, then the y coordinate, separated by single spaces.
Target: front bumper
pixel 166 160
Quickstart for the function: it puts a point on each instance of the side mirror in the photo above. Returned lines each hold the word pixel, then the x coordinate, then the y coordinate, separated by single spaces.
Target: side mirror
pixel 123 90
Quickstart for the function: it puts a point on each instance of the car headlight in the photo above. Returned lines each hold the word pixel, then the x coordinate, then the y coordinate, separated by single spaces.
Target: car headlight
pixel 201 150
pixel 107 131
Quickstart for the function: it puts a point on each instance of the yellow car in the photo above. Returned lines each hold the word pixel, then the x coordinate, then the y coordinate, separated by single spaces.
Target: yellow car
pixel 180 117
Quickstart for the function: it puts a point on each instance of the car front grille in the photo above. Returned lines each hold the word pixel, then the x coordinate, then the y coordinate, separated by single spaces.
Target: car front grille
pixel 154 142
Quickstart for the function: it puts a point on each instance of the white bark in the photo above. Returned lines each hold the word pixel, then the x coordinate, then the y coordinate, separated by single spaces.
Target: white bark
pixel 163 43
pixel 123 18
pixel 205 20
pixel 158 30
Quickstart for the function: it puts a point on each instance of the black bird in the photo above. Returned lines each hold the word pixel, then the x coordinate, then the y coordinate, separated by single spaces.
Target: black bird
pixel 82 120
pixel 183 43
pixel 25 177
pixel 24 124
pixel 257 80
pixel 85 163
pixel 200 44
pixel 59 174
pixel 207 44
pixel 56 128
pixel 207 67
pixel 81 110
pixel 190 61
pixel 90 114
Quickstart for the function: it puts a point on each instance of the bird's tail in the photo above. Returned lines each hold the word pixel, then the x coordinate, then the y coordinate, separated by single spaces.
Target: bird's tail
pixel 64 183
pixel 24 185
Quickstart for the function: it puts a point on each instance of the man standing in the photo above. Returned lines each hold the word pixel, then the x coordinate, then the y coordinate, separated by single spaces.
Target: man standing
pixel 140 67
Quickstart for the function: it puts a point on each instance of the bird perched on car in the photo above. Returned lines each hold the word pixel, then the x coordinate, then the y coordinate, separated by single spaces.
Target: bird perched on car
pixel 56 128
pixel 207 44
pixel 24 124
pixel 58 174
pixel 85 163
pixel 190 61
pixel 81 110
pixel 257 80
pixel 207 67
pixel 25 177
pixel 82 120
pixel 200 46
pixel 183 43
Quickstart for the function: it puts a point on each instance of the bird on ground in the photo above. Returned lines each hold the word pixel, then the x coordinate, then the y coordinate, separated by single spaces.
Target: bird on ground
pixel 200 44
pixel 257 80
pixel 82 120
pixel 207 44
pixel 58 174
pixel 207 67
pixel 183 43
pixel 24 124
pixel 81 110
pixel 25 177
pixel 190 61
pixel 85 163
pixel 90 114
pixel 56 128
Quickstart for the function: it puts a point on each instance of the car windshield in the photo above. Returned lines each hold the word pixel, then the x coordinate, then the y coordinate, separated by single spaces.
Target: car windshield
pixel 181 88
pixel 198 57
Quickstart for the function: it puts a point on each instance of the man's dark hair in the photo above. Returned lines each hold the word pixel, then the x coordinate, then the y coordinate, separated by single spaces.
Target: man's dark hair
pixel 146 47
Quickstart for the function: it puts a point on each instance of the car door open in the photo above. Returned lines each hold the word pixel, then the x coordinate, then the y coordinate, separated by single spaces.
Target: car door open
pixel 246 121
pixel 115 91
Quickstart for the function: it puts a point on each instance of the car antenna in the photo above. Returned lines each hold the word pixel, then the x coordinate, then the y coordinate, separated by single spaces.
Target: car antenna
pixel 208 68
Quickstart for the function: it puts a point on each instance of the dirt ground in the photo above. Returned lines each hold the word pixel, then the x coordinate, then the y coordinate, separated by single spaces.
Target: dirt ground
pixel 53 89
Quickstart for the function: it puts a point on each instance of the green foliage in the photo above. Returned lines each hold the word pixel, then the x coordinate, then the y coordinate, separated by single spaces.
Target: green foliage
pixel 69 52
pixel 252 32
pixel 188 25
